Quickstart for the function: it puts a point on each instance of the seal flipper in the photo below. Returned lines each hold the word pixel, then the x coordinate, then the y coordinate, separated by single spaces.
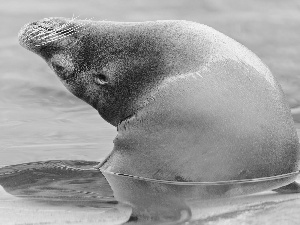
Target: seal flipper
pixel 293 187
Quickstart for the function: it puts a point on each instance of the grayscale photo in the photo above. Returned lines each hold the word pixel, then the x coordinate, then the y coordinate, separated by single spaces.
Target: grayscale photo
pixel 160 112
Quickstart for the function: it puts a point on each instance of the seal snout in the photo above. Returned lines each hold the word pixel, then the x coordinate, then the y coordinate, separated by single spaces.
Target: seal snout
pixel 45 31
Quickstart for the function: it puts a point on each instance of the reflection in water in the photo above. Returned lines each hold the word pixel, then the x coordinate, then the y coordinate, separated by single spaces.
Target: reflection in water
pixel 34 104
pixel 75 187
pixel 160 200
pixel 75 184
pixel 57 179
pixel 58 192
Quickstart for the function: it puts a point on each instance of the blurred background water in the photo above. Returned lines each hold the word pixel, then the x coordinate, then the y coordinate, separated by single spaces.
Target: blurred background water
pixel 41 120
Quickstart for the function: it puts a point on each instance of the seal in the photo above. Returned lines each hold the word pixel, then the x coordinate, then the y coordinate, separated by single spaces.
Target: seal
pixel 190 104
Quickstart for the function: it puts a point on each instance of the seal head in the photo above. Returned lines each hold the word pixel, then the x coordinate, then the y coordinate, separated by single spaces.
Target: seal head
pixel 190 103
pixel 109 65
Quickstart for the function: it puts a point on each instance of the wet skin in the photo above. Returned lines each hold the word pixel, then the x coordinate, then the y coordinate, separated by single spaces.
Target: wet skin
pixel 189 103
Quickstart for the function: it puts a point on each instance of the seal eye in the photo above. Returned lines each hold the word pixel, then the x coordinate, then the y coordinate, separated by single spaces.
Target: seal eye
pixel 63 66
pixel 63 72
pixel 100 79
pixel 58 68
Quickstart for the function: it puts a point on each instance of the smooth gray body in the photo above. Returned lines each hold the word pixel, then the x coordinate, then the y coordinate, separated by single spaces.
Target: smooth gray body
pixel 190 103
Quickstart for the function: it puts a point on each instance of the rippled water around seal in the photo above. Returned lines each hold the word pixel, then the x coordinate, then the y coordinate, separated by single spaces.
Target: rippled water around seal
pixel 59 187
pixel 46 132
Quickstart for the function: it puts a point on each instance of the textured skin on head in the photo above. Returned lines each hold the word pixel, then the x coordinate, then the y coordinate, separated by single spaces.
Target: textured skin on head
pixel 190 103
pixel 135 57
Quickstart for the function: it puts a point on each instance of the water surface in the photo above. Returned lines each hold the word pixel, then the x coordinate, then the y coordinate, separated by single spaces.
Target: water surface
pixel 40 120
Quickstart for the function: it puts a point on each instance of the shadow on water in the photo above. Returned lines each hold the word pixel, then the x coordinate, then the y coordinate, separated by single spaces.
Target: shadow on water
pixel 75 186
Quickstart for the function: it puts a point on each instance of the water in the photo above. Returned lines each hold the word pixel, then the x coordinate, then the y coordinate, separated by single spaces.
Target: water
pixel 40 120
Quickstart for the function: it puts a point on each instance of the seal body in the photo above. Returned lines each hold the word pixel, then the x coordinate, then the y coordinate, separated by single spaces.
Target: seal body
pixel 189 103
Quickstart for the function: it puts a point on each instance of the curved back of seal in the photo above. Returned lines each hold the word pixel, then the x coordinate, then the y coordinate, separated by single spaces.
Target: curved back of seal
pixel 226 119
pixel 190 103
